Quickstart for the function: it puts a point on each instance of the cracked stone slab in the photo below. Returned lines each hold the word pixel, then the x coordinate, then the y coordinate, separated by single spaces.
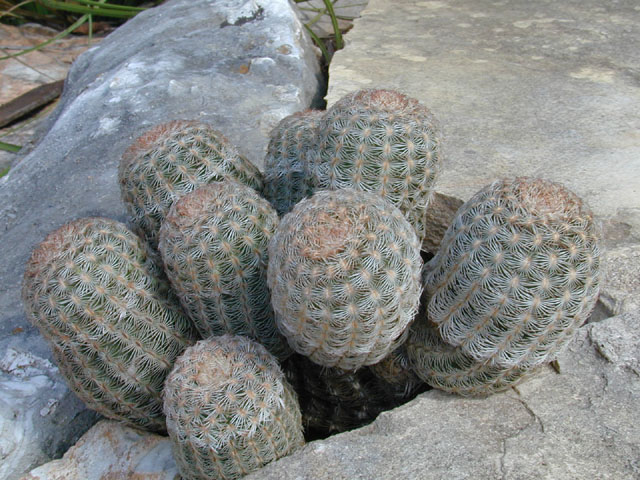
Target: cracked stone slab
pixel 576 424
pixel 541 88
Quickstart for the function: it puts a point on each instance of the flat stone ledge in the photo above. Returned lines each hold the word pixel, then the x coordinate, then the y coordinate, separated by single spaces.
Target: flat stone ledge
pixel 541 88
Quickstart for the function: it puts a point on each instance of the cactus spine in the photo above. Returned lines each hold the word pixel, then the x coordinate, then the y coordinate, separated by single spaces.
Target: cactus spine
pixel 344 273
pixel 383 142
pixel 214 246
pixel 171 160
pixel 516 274
pixel 113 325
pixel 286 168
pixel 229 409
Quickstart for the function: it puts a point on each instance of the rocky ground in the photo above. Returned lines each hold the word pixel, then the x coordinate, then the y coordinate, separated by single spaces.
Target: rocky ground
pixel 521 88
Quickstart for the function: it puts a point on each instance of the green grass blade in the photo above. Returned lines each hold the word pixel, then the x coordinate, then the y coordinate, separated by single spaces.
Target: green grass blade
pixel 60 35
pixel 334 21
pixel 9 147
pixel 319 43
pixel 98 9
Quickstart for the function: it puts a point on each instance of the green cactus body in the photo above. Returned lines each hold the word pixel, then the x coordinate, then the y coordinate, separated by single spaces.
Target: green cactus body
pixel 214 246
pixel 344 273
pixel 113 325
pixel 516 274
pixel 286 170
pixel 171 160
pixel 383 142
pixel 229 409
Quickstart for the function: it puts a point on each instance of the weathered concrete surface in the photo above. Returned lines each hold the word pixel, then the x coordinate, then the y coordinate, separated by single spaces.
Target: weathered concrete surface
pixel 241 65
pixel 582 423
pixel 112 451
pixel 540 88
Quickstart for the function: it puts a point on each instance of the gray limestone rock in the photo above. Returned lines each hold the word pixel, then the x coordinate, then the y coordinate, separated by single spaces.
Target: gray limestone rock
pixel 580 423
pixel 110 450
pixel 541 88
pixel 240 65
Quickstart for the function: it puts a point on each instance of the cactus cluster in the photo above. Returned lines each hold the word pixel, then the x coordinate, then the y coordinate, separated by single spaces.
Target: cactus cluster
pixel 339 280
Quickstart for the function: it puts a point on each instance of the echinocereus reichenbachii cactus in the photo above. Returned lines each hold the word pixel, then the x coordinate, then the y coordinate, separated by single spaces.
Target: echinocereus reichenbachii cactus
pixel 214 246
pixel 229 409
pixel 516 274
pixel 383 142
pixel 113 324
pixel 171 160
pixel 286 171
pixel 344 272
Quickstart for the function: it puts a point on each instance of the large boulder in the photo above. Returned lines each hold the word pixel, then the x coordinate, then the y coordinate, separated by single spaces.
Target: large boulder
pixel 240 65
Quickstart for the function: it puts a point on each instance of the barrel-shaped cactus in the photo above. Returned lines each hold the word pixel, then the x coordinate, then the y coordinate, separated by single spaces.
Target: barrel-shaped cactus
pixel 113 325
pixel 516 274
pixel 214 247
pixel 171 160
pixel 383 142
pixel 344 272
pixel 229 409
pixel 287 177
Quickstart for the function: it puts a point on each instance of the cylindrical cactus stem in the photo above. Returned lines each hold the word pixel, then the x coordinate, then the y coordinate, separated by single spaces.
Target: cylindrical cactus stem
pixel 516 274
pixel 383 142
pixel 113 325
pixel 214 246
pixel 171 160
pixel 229 409
pixel 344 272
pixel 287 176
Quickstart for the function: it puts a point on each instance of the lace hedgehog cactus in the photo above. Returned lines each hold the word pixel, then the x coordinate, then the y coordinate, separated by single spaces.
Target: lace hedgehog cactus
pixel 286 170
pixel 214 246
pixel 229 409
pixel 344 273
pixel 171 160
pixel 383 142
pixel 516 274
pixel 113 325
